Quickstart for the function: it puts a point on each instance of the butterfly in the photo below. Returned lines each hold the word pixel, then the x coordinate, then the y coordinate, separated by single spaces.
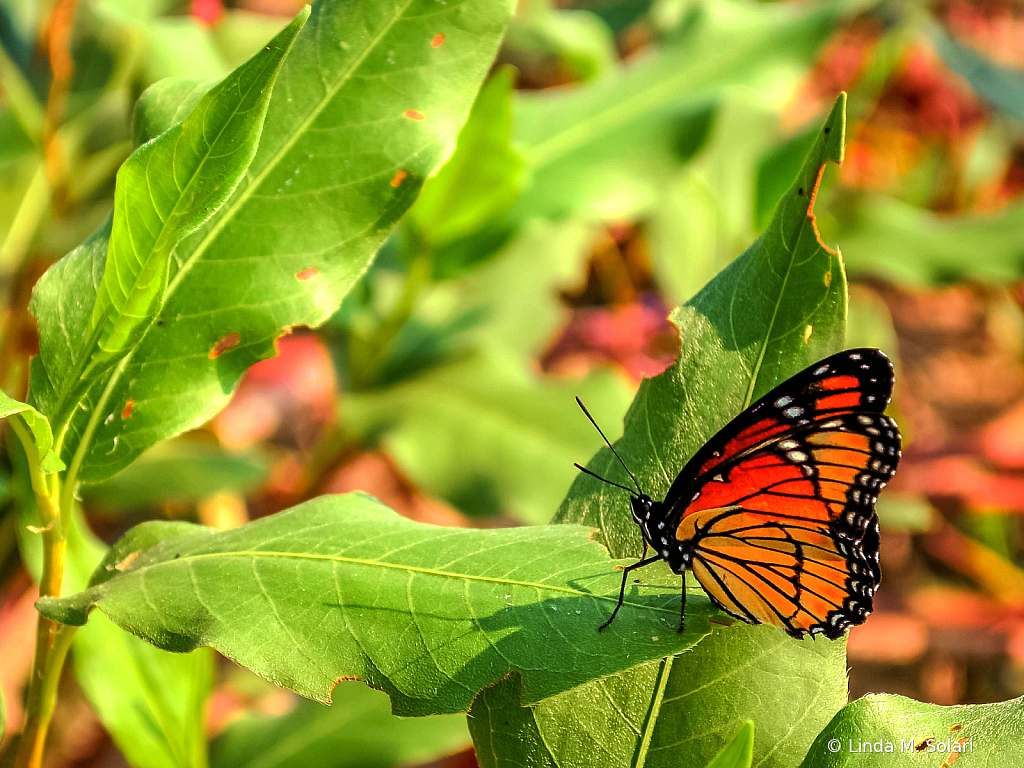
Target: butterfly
pixel 774 515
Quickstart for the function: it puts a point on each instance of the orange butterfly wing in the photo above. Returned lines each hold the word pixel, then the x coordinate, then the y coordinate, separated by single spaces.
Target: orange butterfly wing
pixel 775 515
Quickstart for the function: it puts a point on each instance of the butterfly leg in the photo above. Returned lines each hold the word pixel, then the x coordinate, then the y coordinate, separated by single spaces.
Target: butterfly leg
pixel 622 589
pixel 682 609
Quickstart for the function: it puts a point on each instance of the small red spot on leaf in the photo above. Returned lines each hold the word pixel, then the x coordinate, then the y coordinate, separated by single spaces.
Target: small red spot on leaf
pixel 128 408
pixel 437 41
pixel 399 178
pixel 307 273
pixel 126 563
pixel 412 114
pixel 224 344
pixel 954 728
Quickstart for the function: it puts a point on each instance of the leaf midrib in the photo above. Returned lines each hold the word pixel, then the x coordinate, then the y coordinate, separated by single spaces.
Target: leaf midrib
pixel 190 559
pixel 807 218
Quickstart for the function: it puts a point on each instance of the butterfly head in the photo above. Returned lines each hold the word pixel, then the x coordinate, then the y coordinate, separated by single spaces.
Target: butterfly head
pixel 643 507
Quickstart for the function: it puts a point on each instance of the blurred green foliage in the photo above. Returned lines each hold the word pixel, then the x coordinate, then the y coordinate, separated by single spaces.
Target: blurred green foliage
pixel 675 116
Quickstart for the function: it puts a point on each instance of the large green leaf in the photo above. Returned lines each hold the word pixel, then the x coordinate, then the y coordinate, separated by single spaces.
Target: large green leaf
pixel 678 712
pixel 165 190
pixel 362 96
pixel 343 587
pixel 778 307
pixel 356 731
pixel 887 731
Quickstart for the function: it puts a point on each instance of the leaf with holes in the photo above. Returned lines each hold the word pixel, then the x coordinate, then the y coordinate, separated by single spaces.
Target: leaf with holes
pixel 778 307
pixel 165 190
pixel 364 109
pixel 343 587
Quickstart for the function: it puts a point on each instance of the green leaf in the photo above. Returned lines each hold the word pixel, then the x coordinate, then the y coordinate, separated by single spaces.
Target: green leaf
pixel 181 46
pixel 607 147
pixel 486 435
pixel 356 731
pixel 777 308
pixel 981 734
pixel 780 306
pixel 38 427
pixel 677 712
pixel 152 703
pixel 910 245
pixel 738 753
pixel 316 204
pixel 171 185
pixel 1002 87
pixel 179 470
pixel 164 104
pixel 579 39
pixel 483 176
pixel 343 587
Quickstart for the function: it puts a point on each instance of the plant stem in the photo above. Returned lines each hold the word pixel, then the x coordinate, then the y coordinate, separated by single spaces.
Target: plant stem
pixel 52 643
pixel 52 638
pixel 368 355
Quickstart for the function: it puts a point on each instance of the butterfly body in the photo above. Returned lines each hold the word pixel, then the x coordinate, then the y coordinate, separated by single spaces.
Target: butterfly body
pixel 775 514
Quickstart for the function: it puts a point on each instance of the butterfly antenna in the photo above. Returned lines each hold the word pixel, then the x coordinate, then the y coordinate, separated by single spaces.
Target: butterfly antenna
pixel 616 453
pixel 604 479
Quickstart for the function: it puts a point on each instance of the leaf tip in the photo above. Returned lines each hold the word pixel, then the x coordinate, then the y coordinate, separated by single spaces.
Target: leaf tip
pixel 64 610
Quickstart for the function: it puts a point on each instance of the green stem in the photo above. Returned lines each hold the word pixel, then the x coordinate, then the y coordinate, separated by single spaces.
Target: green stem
pixel 368 355
pixel 52 638
pixel 52 643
